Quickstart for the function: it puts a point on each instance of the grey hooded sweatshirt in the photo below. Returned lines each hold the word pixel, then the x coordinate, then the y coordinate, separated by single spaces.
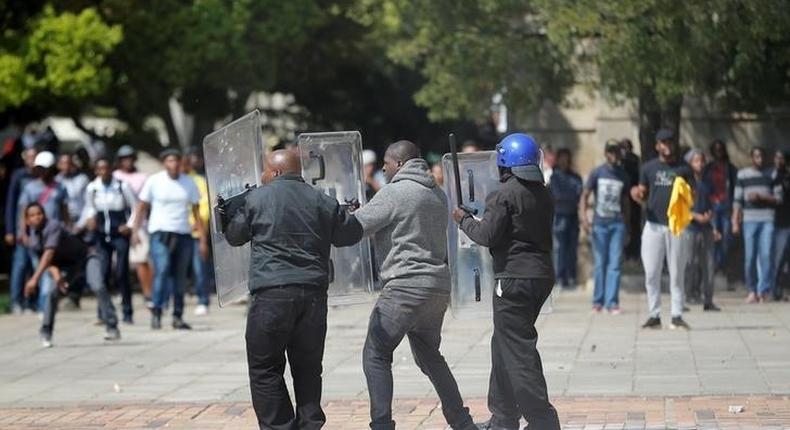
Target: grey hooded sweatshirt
pixel 408 218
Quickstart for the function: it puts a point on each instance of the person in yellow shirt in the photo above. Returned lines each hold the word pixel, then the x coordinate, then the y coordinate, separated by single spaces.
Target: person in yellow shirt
pixel 192 166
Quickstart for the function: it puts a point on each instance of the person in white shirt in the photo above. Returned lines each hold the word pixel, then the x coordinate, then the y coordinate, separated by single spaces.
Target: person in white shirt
pixel 170 195
pixel 109 207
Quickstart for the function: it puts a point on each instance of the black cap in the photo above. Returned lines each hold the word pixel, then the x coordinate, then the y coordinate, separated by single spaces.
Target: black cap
pixel 169 152
pixel 665 134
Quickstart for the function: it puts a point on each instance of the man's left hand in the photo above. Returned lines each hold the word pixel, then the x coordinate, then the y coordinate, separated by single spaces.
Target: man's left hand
pixel 459 214
pixel 30 287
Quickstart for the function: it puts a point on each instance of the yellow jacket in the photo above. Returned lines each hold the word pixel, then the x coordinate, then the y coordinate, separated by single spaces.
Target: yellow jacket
pixel 202 186
pixel 680 204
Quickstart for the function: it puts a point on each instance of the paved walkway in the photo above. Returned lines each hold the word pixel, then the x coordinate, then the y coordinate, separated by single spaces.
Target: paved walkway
pixel 598 413
pixel 590 361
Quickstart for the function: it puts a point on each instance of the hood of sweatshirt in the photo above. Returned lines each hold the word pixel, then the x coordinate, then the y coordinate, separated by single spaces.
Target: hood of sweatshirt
pixel 416 170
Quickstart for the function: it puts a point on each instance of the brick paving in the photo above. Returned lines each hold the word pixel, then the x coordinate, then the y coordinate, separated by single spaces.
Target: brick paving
pixel 580 413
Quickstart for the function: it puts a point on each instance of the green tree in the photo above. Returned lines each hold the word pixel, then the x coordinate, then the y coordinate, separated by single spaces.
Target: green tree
pixel 734 52
pixel 469 50
pixel 59 57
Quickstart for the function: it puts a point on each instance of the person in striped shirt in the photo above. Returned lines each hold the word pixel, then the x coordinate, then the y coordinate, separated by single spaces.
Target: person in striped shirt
pixel 756 196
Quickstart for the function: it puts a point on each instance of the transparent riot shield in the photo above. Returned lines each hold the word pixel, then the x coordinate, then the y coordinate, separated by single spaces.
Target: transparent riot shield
pixel 332 162
pixel 234 164
pixel 471 266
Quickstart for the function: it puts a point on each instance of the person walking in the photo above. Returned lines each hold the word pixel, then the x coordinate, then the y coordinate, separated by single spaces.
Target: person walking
pixel 408 221
pixel 609 183
pixel 755 198
pixel 700 237
pixel 630 163
pixel 781 176
pixel 21 264
pixel 516 227
pixel 139 253
pixel 566 188
pixel 74 182
pixel 192 166
pixel 654 190
pixel 291 227
pixel 721 174
pixel 109 206
pixel 170 196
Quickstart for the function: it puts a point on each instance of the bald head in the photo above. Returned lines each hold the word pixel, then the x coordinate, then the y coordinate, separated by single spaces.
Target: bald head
pixel 403 151
pixel 397 155
pixel 281 162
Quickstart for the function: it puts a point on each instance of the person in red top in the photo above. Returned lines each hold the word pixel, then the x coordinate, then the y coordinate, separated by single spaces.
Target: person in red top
pixel 720 173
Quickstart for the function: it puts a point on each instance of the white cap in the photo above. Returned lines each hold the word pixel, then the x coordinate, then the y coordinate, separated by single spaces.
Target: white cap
pixel 44 159
pixel 368 156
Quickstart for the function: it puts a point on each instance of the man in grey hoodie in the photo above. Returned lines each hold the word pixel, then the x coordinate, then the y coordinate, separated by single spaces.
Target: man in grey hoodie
pixel 409 220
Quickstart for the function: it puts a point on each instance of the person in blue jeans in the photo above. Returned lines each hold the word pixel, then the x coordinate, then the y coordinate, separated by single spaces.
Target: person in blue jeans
pixel 609 184
pixel 721 174
pixel 20 261
pixel 756 196
pixel 566 189
pixel 781 177
pixel 170 196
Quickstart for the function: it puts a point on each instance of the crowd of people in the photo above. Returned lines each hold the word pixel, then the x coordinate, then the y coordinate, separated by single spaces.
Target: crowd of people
pixel 753 202
pixel 72 224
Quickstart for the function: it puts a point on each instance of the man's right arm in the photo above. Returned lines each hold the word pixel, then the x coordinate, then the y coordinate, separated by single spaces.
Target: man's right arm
pixel 377 214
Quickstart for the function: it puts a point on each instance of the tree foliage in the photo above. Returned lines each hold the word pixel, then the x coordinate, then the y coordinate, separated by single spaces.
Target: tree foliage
pixel 469 50
pixel 735 52
pixel 60 56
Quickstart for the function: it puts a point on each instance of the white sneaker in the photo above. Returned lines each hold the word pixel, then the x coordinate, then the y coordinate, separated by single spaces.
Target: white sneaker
pixel 17 310
pixel 201 310
pixel 46 341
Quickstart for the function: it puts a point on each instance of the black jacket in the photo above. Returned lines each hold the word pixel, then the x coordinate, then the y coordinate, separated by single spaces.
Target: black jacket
pixel 517 228
pixel 291 227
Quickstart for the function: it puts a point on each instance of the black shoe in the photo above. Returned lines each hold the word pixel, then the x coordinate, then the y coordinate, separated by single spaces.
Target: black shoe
pixel 179 324
pixel 686 308
pixel 489 425
pixel 127 319
pixel 677 322
pixel 112 334
pixel 156 322
pixel 711 308
pixel 652 322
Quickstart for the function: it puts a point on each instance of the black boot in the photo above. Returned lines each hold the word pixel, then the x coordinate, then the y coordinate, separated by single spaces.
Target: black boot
pixel 179 324
pixel 156 319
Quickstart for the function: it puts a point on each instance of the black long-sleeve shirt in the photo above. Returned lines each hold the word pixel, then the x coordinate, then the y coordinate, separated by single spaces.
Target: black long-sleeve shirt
pixel 291 227
pixel 517 228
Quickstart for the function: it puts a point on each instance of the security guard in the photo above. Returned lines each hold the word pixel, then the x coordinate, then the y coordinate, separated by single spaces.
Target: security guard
pixel 516 227
pixel 291 227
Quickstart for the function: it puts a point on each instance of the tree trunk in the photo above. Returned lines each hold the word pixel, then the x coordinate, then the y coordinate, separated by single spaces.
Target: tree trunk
pixel 654 116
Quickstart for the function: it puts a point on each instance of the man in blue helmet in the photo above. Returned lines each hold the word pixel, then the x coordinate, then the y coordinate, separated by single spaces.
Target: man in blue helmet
pixel 517 229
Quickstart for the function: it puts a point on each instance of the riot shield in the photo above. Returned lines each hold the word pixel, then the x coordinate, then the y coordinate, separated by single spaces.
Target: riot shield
pixel 332 162
pixel 471 266
pixel 234 164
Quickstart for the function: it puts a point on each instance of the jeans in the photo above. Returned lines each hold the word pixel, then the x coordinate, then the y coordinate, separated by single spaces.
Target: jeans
pixel 94 276
pixel 287 320
pixel 200 272
pixel 758 238
pixel 120 246
pixel 658 244
pixel 171 264
pixel 723 223
pixel 20 268
pixel 608 253
pixel 417 315
pixel 517 386
pixel 781 255
pixel 45 284
pixel 700 265
pixel 566 244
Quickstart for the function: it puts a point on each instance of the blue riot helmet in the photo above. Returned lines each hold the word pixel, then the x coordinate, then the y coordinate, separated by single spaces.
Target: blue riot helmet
pixel 522 155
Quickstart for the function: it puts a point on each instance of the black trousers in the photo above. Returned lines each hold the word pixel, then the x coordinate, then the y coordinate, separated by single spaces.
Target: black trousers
pixel 517 387
pixel 418 315
pixel 287 320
